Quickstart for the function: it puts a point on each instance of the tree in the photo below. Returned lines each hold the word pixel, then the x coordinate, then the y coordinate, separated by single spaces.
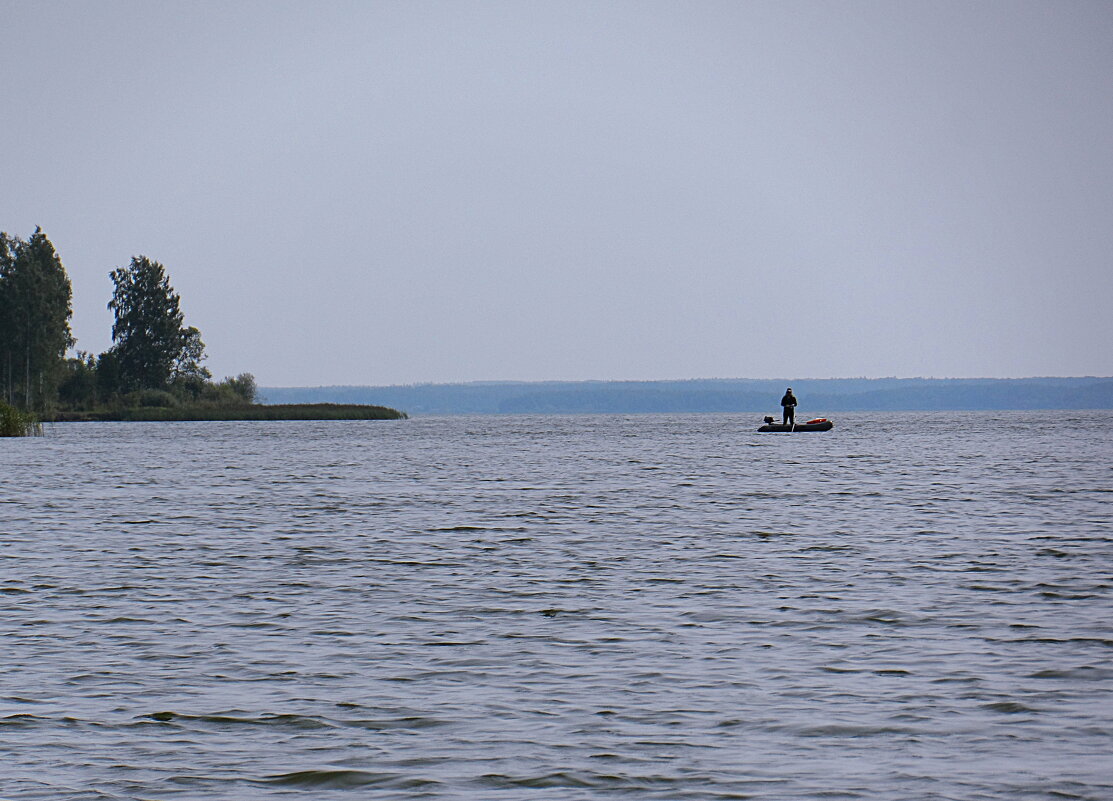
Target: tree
pixel 9 339
pixel 150 342
pixel 188 363
pixel 108 376
pixel 35 311
pixel 243 386
pixel 189 379
pixel 78 387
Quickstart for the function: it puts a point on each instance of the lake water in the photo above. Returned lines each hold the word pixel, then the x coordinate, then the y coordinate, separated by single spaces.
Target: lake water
pixel 912 606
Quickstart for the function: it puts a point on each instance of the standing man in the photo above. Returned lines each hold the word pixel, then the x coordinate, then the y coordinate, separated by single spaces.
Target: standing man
pixel 788 403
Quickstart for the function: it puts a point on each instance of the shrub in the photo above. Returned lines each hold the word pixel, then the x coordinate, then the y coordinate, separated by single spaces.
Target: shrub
pixel 155 397
pixel 14 423
pixel 242 387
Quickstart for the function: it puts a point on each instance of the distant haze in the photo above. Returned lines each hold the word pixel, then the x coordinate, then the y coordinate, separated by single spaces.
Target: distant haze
pixel 389 192
pixel 816 397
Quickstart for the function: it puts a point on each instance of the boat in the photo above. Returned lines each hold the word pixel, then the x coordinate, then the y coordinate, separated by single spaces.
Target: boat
pixel 818 424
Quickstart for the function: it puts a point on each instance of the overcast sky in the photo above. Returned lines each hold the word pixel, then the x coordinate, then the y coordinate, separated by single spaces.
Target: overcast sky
pixel 393 192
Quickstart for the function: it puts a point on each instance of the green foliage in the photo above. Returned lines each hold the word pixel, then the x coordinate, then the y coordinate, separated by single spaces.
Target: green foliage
pixel 77 388
pixel 14 423
pixel 196 390
pixel 190 388
pixel 152 371
pixel 154 399
pixel 242 386
pixel 35 297
pixel 188 363
pixel 108 376
pixel 150 343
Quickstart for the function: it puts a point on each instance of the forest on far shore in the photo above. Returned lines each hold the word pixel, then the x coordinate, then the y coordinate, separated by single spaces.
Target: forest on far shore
pixel 154 361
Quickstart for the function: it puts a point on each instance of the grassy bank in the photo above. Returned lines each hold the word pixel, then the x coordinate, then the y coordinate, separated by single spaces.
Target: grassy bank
pixel 292 411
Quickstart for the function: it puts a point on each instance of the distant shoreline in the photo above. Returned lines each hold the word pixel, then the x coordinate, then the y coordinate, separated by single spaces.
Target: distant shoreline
pixel 290 411
pixel 819 397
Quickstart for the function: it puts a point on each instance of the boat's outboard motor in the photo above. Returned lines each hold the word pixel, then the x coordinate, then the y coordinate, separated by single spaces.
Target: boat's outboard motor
pixel 768 420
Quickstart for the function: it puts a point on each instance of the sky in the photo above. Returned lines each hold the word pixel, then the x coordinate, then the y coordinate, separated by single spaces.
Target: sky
pixel 398 192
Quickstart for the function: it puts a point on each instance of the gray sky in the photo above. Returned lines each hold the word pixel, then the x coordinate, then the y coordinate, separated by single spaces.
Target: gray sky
pixel 390 192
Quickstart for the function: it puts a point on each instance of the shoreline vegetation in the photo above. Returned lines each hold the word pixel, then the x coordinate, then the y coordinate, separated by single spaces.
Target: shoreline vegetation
pixel 14 423
pixel 153 371
pixel 255 411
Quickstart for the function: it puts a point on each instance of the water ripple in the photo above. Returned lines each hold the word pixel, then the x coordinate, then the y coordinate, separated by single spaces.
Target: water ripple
pixel 657 607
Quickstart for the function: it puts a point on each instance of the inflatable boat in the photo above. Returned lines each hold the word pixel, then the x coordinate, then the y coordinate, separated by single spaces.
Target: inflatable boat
pixel 818 424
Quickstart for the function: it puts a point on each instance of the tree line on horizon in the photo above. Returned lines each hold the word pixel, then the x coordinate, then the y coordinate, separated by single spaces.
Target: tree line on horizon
pixel 155 358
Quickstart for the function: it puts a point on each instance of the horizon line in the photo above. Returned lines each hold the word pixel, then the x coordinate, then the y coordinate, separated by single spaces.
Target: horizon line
pixel 510 381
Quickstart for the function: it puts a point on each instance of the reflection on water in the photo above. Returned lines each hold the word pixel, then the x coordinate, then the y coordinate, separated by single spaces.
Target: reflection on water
pixel 673 607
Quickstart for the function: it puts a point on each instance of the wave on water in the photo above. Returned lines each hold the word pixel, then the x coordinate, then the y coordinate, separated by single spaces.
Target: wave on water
pixel 575 608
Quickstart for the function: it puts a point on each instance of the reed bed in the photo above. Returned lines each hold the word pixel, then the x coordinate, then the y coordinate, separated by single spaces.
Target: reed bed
pixel 14 423
pixel 299 411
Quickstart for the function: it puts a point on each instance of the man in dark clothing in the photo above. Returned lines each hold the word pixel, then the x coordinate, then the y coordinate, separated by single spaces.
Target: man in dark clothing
pixel 788 402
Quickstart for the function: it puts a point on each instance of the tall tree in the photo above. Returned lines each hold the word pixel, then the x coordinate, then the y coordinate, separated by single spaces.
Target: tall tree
pixel 9 246
pixel 148 335
pixel 35 311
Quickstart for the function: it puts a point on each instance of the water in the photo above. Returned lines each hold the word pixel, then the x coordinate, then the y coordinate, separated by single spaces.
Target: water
pixel 653 607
